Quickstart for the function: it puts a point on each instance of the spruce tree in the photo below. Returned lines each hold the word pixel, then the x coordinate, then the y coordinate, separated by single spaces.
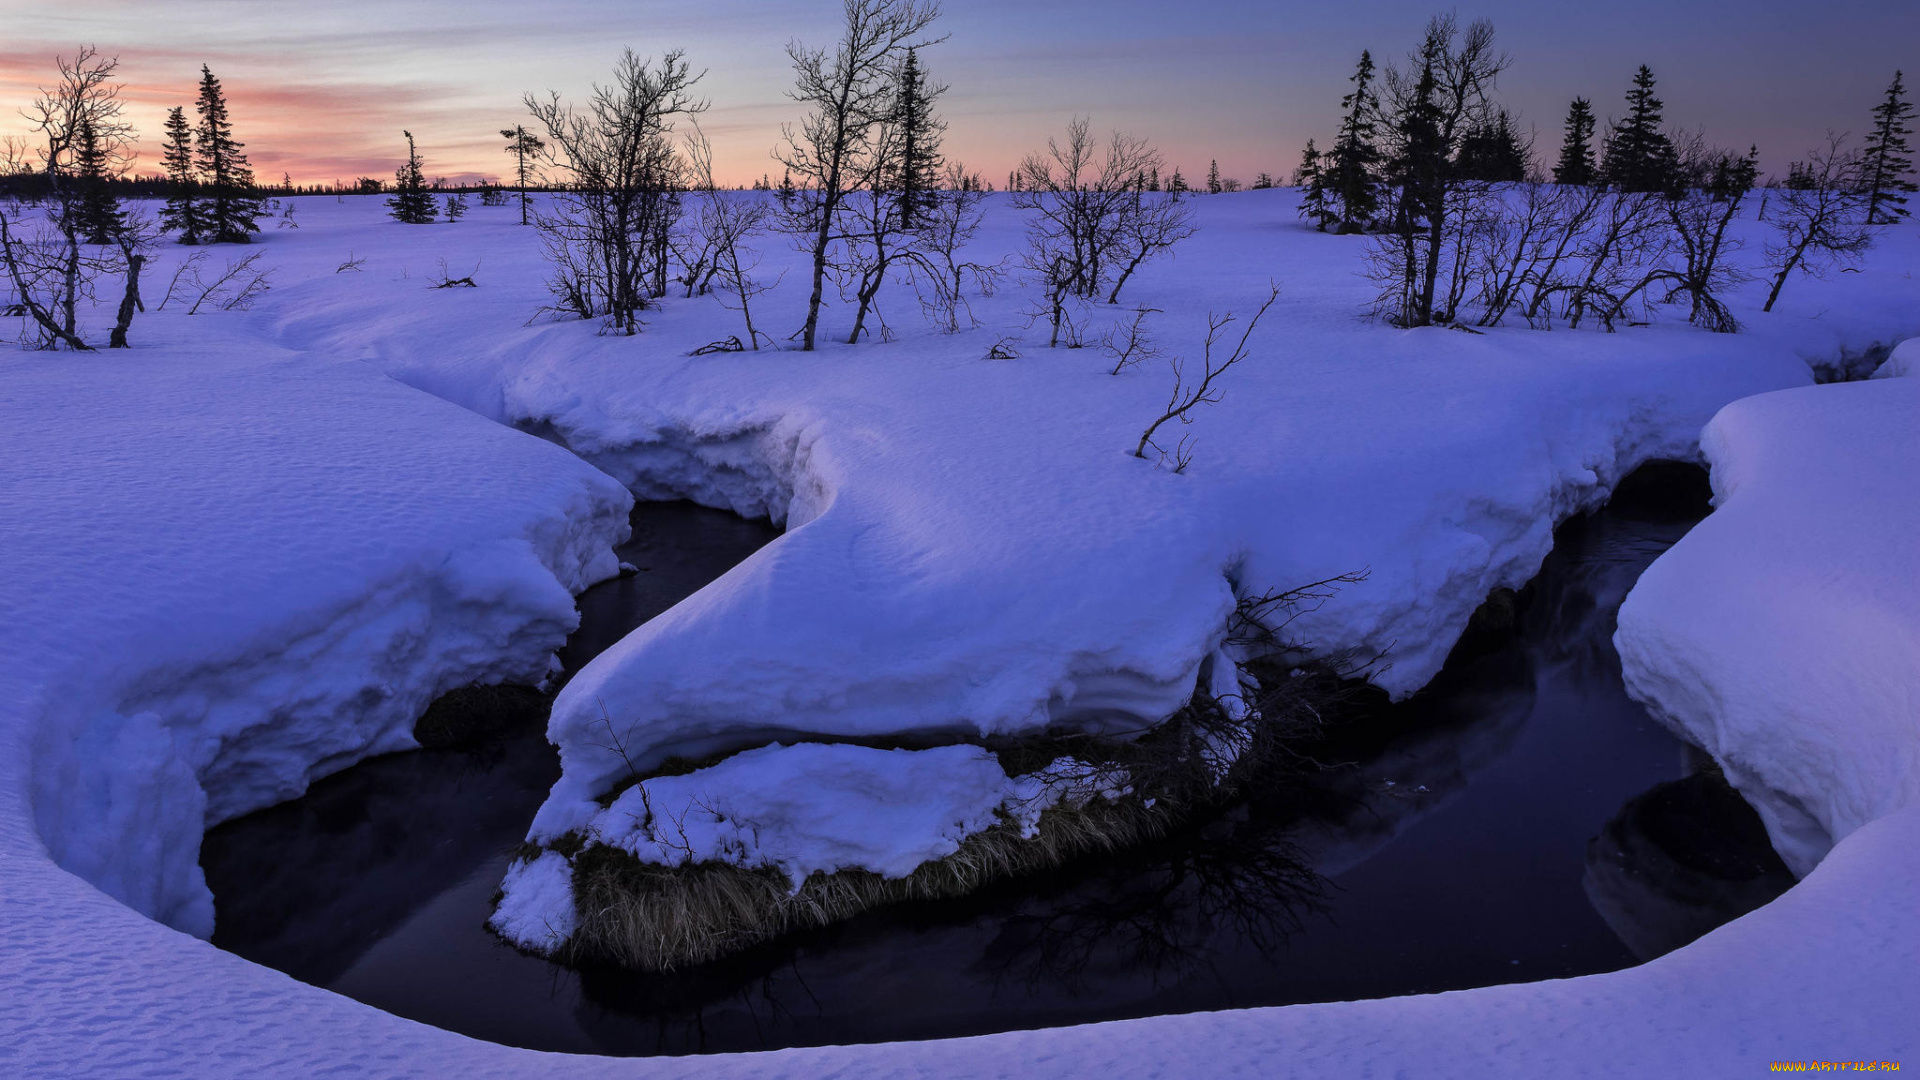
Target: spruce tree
pixel 1576 166
pixel 1312 176
pixel 411 202
pixel 1492 151
pixel 231 202
pixel 1351 172
pixel 1213 177
pixel 96 210
pixel 182 211
pixel 916 168
pixel 1886 159
pixel 1640 157
pixel 524 145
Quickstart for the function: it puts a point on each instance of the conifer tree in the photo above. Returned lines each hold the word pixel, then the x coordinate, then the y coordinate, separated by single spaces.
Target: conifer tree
pixel 1640 157
pixel 1351 171
pixel 1886 160
pixel 1213 177
pixel 182 211
pixel 411 202
pixel 525 147
pixel 96 210
pixel 231 203
pixel 917 164
pixel 1263 181
pixel 1492 151
pixel 1312 177
pixel 1576 166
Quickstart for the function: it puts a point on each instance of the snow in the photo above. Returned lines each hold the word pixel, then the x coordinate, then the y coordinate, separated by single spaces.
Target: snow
pixel 800 810
pixel 1783 634
pixel 232 572
pixel 243 555
pixel 536 903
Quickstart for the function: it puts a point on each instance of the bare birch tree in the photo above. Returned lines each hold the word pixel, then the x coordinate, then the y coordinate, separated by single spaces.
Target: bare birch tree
pixel 832 153
pixel 606 232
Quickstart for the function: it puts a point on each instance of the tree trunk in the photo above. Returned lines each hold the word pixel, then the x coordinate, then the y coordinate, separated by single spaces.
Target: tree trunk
pixel 129 301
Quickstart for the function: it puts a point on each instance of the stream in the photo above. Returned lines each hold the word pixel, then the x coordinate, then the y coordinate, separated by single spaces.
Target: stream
pixel 1519 819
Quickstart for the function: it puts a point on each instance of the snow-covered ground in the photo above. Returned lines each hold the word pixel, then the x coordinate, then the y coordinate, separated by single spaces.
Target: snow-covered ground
pixel 1783 634
pixel 240 557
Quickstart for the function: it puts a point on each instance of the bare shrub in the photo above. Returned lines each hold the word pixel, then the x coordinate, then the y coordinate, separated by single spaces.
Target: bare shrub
pixel 606 230
pixel 1188 394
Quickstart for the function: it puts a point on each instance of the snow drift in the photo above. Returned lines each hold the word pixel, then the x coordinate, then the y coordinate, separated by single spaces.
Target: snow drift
pixel 1783 633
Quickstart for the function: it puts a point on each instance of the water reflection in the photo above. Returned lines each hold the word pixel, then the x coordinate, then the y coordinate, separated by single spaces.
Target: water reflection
pixel 1457 842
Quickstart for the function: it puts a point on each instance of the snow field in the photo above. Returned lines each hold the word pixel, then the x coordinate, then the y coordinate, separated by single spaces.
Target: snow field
pixel 304 554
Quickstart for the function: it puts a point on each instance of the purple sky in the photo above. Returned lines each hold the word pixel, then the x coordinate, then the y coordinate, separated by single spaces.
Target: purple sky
pixel 321 90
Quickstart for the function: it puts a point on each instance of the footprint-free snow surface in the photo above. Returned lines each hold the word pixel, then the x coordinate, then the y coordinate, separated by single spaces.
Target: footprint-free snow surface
pixel 249 551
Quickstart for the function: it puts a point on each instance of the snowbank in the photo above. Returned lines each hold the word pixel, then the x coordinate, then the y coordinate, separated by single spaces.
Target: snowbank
pixel 970 550
pixel 1783 633
pixel 230 575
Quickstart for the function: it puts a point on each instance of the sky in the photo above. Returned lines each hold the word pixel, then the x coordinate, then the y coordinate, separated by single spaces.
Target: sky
pixel 321 89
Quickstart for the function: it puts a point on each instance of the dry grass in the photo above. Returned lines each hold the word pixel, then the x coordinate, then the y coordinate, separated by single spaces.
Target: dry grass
pixel 657 918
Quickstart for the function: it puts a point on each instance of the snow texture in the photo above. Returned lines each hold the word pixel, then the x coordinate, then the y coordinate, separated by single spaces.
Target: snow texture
pixel 240 557
pixel 1783 633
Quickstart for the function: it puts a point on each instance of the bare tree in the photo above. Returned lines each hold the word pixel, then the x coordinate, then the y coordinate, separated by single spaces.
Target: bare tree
pixel 1188 395
pixel 78 127
pixel 724 224
pixel 832 152
pixel 948 223
pixel 607 231
pixel 1432 105
pixel 135 238
pixel 1821 220
pixel 1158 221
pixel 1085 202
pixel 1714 185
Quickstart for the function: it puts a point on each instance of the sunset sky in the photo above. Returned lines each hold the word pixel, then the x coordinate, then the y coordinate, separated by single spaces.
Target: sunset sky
pixel 322 90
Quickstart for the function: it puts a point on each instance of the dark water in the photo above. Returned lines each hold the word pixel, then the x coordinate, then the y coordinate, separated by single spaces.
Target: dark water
pixel 1521 819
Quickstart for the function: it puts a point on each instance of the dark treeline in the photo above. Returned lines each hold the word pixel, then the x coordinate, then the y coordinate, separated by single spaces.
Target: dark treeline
pixel 1463 225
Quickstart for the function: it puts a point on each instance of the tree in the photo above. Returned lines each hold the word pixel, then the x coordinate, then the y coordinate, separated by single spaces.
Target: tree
pixel 1213 177
pixel 851 93
pixel 1821 224
pixel 231 204
pixel 525 147
pixel 1085 202
pixel 1886 159
pixel 78 120
pixel 1351 179
pixel 1712 184
pixel 1493 150
pixel 883 223
pixel 1441 96
pixel 915 171
pixel 1640 157
pixel 96 210
pixel 724 226
pixel 182 211
pixel 411 202
pixel 1576 165
pixel 608 229
pixel 1311 176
